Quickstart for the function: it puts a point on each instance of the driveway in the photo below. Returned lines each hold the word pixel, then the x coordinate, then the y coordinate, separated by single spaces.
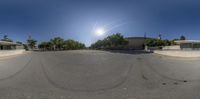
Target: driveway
pixel 90 74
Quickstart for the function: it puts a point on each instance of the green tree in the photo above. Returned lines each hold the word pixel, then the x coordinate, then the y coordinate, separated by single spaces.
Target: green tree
pixel 73 45
pixel 182 37
pixel 111 42
pixel 150 42
pixel 46 46
pixel 31 43
pixel 173 41
pixel 5 38
pixel 160 42
pixel 167 42
pixel 18 42
pixel 156 42
pixel 57 43
pixel 97 45
pixel 25 46
pixel 116 40
pixel 43 45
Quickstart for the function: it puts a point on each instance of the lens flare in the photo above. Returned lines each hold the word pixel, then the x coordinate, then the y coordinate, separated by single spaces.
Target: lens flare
pixel 100 31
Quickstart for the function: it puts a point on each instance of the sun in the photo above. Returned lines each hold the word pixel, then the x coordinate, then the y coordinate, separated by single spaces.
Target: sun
pixel 100 31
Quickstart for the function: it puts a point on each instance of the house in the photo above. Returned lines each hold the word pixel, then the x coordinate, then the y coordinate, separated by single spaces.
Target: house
pixel 4 45
pixel 188 44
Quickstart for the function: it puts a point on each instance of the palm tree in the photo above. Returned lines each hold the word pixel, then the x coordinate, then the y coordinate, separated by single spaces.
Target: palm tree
pixel 31 43
pixel 57 43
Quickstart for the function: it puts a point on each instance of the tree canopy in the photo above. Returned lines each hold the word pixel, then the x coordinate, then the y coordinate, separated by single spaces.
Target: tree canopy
pixel 18 42
pixel 157 42
pixel 114 41
pixel 182 37
pixel 73 45
pixel 154 42
pixel 31 43
pixel 5 38
pixel 59 43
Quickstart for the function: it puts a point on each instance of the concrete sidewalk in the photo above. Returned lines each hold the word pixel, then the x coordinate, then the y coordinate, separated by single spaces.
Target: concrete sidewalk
pixel 4 53
pixel 180 53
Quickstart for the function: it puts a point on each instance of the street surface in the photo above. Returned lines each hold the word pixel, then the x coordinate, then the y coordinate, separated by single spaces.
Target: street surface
pixel 90 74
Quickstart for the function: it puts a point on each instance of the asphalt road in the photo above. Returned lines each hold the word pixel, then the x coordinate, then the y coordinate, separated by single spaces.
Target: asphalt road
pixel 87 74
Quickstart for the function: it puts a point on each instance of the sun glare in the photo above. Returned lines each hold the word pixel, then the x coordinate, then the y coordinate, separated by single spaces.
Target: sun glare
pixel 100 31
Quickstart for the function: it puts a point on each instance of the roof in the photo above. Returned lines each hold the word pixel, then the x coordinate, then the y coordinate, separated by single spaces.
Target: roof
pixel 7 43
pixel 187 41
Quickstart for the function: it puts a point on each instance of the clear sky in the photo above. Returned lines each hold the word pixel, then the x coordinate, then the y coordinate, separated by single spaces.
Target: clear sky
pixel 77 19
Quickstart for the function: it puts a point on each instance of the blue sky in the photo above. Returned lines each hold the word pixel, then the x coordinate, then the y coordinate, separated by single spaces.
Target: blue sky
pixel 77 19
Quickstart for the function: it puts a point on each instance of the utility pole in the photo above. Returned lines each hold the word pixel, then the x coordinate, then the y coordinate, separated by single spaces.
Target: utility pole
pixel 145 45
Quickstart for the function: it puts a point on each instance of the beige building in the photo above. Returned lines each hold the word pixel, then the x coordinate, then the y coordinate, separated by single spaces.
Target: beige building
pixel 188 44
pixel 136 43
pixel 4 45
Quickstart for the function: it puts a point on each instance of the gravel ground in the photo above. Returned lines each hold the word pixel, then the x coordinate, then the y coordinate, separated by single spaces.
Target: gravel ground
pixel 90 74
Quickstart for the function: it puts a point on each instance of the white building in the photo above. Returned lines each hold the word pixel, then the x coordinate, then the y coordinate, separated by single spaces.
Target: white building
pixel 4 45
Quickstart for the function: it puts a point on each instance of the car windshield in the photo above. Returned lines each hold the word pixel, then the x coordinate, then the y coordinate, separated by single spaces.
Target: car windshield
pixel 99 49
